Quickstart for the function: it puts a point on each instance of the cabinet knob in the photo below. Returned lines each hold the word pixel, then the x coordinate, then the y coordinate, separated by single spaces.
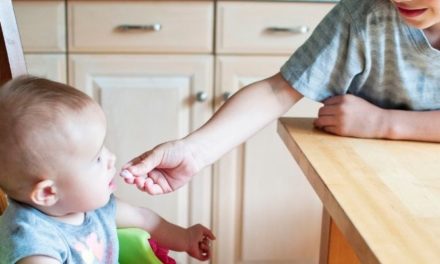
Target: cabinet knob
pixel 201 96
pixel 226 95
pixel 132 27
pixel 294 30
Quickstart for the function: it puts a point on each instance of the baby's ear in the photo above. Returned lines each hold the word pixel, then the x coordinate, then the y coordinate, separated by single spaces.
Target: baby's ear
pixel 44 193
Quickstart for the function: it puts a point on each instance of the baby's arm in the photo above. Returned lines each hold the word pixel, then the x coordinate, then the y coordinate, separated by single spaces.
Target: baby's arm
pixel 349 115
pixel 38 260
pixel 195 240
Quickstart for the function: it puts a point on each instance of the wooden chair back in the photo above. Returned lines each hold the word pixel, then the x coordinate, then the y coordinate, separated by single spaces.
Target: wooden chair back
pixel 12 63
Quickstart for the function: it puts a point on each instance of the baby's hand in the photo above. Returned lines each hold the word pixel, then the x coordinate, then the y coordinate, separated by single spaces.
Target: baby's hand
pixel 200 239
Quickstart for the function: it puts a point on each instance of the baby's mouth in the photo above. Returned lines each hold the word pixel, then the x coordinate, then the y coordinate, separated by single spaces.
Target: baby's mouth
pixel 112 185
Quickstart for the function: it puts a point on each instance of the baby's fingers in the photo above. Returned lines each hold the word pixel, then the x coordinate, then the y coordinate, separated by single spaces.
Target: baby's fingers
pixel 205 248
pixel 208 234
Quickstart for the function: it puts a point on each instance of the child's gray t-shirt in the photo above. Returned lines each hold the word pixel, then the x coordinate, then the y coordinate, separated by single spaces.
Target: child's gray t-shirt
pixel 25 231
pixel 365 49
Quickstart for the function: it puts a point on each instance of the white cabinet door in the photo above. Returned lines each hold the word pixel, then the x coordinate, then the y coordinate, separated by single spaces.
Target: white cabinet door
pixel 265 210
pixel 150 99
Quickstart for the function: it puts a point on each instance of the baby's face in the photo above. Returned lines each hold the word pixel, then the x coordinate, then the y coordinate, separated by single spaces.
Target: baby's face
pixel 421 14
pixel 87 168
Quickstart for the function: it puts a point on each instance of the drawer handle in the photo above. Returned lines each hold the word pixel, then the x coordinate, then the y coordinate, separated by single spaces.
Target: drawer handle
pixel 293 30
pixel 201 97
pixel 128 27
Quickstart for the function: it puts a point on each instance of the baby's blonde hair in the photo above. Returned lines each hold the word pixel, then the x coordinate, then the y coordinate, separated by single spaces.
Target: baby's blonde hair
pixel 30 108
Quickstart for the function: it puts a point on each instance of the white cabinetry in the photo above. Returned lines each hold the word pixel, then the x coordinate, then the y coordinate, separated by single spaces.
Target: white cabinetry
pixel 43 35
pixel 145 62
pixel 264 209
pixel 146 72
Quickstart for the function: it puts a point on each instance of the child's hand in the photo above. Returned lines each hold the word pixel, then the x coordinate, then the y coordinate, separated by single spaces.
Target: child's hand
pixel 163 169
pixel 199 242
pixel 349 115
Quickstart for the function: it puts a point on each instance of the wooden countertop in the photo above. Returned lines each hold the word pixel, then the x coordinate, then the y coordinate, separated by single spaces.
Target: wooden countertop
pixel 383 195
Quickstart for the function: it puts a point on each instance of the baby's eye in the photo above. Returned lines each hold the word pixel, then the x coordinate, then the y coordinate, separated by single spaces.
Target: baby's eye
pixel 99 159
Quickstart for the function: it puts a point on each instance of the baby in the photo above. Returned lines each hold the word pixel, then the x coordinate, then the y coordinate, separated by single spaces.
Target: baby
pixel 59 178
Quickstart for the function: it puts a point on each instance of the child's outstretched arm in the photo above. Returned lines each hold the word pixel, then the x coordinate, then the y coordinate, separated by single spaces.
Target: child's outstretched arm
pixel 349 115
pixel 194 240
pixel 171 165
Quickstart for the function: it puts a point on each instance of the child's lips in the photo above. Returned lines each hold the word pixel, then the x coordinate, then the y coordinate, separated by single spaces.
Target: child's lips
pixel 411 12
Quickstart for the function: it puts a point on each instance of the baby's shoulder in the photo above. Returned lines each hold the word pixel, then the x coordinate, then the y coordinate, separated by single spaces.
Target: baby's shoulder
pixel 24 232
pixel 21 220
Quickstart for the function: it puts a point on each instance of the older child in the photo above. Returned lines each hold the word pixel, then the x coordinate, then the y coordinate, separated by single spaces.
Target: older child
pixel 59 178
pixel 374 64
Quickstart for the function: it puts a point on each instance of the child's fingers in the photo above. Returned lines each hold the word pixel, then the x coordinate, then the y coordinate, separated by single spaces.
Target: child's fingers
pixel 127 176
pixel 151 187
pixel 144 163
pixel 324 121
pixel 160 179
pixel 328 110
pixel 333 100
pixel 332 130
pixel 140 182
pixel 134 161
pixel 129 181
pixel 156 183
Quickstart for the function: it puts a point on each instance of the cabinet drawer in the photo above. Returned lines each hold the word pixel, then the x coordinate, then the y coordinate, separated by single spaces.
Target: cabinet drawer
pixel 51 66
pixel 266 28
pixel 41 25
pixel 137 26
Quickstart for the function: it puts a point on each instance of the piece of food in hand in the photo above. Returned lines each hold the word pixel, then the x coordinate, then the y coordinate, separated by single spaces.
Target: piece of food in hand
pixel 126 174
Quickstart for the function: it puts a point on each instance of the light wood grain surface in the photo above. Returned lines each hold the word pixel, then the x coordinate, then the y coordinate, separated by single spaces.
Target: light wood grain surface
pixel 383 195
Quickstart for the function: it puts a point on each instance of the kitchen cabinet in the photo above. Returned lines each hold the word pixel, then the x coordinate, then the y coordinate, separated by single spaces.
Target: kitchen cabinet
pixel 154 84
pixel 264 209
pixel 43 35
pixel 159 69
pixel 148 81
pixel 149 99
pixel 141 26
